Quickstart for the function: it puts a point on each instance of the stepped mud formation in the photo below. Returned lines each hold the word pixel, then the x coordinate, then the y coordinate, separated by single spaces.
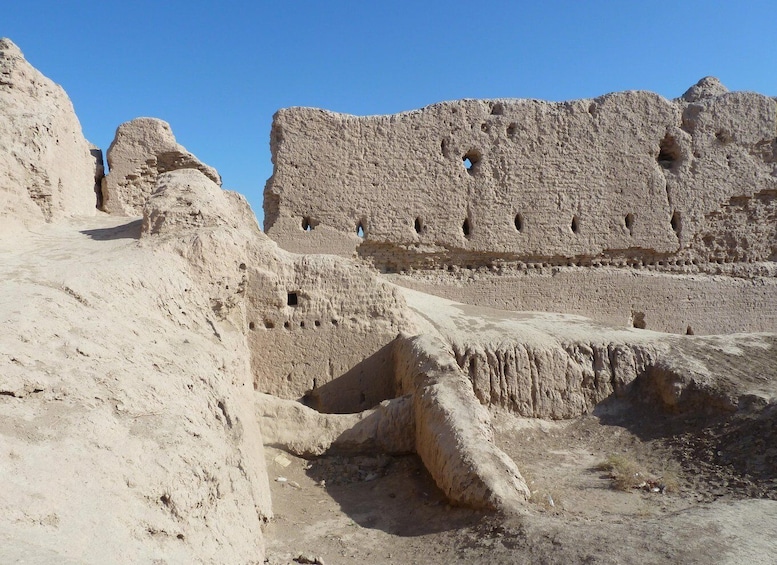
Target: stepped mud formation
pixel 420 284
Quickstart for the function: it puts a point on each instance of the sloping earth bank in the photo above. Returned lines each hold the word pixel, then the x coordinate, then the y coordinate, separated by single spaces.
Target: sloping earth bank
pixel 126 435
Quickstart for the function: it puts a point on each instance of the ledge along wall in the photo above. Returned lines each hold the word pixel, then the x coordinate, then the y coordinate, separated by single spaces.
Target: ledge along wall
pixel 629 208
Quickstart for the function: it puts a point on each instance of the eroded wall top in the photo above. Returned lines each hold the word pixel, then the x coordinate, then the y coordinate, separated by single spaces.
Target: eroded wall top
pixel 47 167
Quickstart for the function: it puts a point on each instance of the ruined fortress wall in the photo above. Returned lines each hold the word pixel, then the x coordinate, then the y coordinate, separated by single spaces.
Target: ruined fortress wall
pixel 321 330
pixel 628 179
pixel 596 161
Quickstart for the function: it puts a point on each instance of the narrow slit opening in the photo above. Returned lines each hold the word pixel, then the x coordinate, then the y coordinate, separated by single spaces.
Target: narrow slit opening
pixel 676 222
pixel 629 223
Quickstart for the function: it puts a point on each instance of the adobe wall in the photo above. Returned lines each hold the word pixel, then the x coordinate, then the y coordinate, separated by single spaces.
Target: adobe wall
pixel 321 330
pixel 684 187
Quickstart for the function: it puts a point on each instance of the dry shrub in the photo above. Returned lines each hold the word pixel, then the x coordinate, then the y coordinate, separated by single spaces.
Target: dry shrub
pixel 627 474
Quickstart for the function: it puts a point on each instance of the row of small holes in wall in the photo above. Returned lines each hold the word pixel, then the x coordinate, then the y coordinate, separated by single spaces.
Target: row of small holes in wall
pixel 292 299
pixel 668 152
pixel 270 324
pixel 518 222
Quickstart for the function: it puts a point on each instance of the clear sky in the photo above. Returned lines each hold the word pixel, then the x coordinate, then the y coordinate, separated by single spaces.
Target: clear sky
pixel 217 71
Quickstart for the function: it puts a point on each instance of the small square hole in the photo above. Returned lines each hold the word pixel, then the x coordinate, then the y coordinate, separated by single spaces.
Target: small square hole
pixel 292 299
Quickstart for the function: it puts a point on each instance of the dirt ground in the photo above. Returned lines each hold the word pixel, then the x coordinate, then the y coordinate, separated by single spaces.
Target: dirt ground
pixel 709 496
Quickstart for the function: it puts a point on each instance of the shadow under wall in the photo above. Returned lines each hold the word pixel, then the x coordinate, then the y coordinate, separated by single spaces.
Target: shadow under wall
pixel 130 230
pixel 394 494
pixel 365 385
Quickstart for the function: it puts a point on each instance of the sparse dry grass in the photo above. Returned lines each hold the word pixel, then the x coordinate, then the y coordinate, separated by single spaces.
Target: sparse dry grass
pixel 627 474
pixel 547 498
pixel 670 478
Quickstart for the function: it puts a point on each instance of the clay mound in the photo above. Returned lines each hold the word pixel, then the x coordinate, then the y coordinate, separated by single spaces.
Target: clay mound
pixel 143 149
pixel 126 399
pixel 187 199
pixel 125 415
pixel 708 87
pixel 47 168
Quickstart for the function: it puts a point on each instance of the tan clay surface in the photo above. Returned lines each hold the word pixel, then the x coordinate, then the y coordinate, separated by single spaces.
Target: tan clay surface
pixel 143 149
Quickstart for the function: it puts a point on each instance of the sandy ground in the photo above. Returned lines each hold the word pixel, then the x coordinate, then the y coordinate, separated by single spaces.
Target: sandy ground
pixel 387 509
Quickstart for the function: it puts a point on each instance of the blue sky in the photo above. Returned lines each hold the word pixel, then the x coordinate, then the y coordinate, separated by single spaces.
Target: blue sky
pixel 217 71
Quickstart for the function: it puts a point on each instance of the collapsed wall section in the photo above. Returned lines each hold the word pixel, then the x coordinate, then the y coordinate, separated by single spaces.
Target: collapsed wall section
pixel 141 151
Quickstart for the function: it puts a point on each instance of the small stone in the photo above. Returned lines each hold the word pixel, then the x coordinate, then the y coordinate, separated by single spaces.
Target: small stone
pixel 282 460
pixel 309 559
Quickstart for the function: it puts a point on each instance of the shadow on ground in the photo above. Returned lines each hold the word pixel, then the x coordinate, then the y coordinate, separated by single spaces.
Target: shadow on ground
pixel 394 494
pixel 130 230
pixel 727 455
